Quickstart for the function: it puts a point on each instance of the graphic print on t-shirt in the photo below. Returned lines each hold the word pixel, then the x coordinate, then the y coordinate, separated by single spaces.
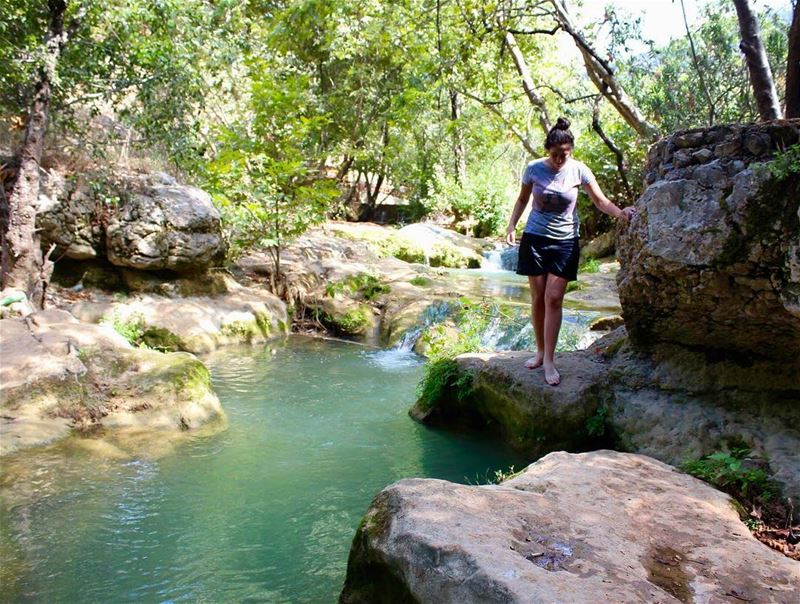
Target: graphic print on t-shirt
pixel 555 203
pixel 554 197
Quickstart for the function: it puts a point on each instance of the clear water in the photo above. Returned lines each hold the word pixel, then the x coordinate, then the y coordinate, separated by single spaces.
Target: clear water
pixel 262 512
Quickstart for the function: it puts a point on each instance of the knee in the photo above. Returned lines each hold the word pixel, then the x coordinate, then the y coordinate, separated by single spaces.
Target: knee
pixel 553 301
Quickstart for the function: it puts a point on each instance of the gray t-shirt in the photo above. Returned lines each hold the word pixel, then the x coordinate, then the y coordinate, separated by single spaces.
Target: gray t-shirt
pixel 554 211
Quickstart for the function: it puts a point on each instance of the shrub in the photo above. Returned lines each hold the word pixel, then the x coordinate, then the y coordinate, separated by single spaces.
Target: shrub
pixel 590 265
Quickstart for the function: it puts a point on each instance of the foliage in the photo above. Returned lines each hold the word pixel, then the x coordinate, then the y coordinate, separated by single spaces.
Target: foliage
pixel 590 265
pixel 664 82
pixel 420 281
pixel 131 328
pixel 735 473
pixel 596 425
pixel 786 163
pixel 364 285
pixel 442 373
pixel 443 376
pixel 479 205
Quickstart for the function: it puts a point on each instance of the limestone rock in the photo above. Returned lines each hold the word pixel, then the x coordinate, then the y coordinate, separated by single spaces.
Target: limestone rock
pixel 70 215
pixel 595 527
pixel 195 323
pixel 59 375
pixel 146 222
pixel 675 406
pixel 516 403
pixel 710 261
pixel 170 227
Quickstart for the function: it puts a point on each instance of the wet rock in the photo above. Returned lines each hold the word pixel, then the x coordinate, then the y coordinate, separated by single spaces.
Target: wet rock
pixel 595 527
pixel 59 375
pixel 673 404
pixel 607 323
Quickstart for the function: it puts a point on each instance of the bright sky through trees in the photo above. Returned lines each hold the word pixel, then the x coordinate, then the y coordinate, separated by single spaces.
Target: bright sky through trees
pixel 662 19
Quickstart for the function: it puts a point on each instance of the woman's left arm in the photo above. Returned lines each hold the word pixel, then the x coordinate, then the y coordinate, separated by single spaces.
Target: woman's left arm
pixel 605 205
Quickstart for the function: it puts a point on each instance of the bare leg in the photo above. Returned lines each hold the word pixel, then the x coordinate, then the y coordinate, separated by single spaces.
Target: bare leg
pixel 537 284
pixel 553 299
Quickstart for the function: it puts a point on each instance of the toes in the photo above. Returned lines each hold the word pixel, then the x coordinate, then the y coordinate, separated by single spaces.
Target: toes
pixel 553 379
pixel 533 363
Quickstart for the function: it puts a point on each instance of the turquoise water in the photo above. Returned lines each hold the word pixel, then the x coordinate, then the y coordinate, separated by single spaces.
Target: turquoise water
pixel 262 512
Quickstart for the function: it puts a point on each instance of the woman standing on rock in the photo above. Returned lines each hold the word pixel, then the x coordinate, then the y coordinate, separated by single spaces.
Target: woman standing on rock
pixel 549 251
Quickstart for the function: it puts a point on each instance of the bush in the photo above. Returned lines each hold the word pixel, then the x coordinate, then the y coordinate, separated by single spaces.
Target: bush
pixel 481 200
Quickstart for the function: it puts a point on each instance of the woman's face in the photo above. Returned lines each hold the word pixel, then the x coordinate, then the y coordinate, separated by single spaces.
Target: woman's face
pixel 559 154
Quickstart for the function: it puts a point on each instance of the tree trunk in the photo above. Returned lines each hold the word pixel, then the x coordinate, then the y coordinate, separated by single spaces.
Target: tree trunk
pixel 602 75
pixel 459 159
pixel 757 64
pixel 22 254
pixel 620 158
pixel 527 82
pixel 793 67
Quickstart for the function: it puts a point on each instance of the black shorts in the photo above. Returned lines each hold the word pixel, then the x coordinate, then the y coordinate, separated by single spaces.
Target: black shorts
pixel 539 255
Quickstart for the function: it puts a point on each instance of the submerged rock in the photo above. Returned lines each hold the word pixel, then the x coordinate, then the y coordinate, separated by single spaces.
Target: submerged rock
pixel 60 375
pixel 595 527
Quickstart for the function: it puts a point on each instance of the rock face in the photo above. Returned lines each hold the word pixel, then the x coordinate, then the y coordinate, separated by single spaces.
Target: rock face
pixel 60 375
pixel 194 323
pixel 711 261
pixel 145 222
pixel 171 227
pixel 613 395
pixel 595 527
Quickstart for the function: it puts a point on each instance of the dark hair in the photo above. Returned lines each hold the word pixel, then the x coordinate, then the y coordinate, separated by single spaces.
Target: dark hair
pixel 559 134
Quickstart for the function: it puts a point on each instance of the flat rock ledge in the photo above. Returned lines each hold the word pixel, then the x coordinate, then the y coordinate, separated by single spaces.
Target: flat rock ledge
pixel 60 376
pixel 675 406
pixel 592 527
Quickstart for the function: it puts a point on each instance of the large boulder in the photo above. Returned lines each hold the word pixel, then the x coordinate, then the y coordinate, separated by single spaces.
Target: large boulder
pixel 60 375
pixel 595 527
pixel 145 222
pixel 165 226
pixel 711 261
pixel 70 215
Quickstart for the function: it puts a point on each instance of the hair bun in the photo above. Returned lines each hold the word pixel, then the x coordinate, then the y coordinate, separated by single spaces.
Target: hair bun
pixel 562 124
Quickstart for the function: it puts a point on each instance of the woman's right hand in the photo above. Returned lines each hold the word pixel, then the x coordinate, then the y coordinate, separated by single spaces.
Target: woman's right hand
pixel 511 236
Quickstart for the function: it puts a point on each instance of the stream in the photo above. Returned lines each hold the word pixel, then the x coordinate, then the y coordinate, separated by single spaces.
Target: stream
pixel 263 511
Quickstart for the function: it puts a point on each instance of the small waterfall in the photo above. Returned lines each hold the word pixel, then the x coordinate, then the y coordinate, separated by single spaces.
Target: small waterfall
pixel 501 259
pixel 493 261
pixel 435 313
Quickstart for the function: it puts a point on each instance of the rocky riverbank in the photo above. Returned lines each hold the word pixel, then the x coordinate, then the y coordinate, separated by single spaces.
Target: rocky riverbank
pixel 595 527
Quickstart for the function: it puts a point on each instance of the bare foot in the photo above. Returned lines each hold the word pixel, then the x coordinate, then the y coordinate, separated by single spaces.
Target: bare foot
pixel 551 375
pixel 534 362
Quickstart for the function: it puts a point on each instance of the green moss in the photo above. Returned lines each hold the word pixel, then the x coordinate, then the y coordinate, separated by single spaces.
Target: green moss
pixel 573 286
pixel 443 378
pixel 243 330
pixel 353 321
pixel 420 281
pixel 590 265
pixel 161 339
pixel 264 324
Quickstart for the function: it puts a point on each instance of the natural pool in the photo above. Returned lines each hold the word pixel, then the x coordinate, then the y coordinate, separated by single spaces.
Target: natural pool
pixel 262 512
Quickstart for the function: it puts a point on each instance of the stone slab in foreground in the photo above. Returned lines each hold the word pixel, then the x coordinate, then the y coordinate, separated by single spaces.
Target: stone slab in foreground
pixel 592 527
